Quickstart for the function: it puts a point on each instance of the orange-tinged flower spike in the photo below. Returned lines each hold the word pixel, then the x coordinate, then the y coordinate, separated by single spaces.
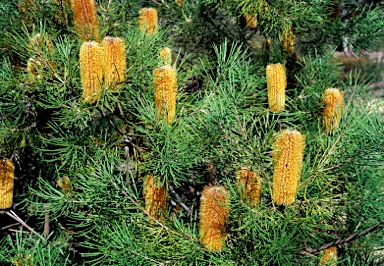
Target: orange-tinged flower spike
pixel 7 177
pixel 214 215
pixel 179 2
pixel 85 19
pixel 165 56
pixel 148 20
pixel 329 257
pixel 289 42
pixel 115 63
pixel 91 70
pixel 276 83
pixel 155 198
pixel 251 20
pixel 249 186
pixel 333 111
pixel 165 85
pixel 287 154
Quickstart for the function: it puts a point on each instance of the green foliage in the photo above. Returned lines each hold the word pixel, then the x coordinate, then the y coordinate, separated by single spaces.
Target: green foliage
pixel 222 123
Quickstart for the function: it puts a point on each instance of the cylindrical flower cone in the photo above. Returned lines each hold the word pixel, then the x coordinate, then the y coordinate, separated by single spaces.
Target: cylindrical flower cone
pixel 91 70
pixel 85 19
pixel 276 83
pixel 287 154
pixel 333 111
pixel 249 186
pixel 7 177
pixel 289 41
pixel 329 257
pixel 165 56
pixel 251 20
pixel 214 215
pixel 165 85
pixel 155 198
pixel 115 63
pixel 148 20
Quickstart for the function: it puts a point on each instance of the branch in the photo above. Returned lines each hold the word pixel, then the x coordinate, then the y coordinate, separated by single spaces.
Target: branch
pixel 345 240
pixel 179 200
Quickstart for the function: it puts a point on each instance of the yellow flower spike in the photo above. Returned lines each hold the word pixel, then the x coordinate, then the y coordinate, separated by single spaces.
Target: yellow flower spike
pixel 34 69
pixel 287 155
pixel 85 19
pixel 276 84
pixel 329 257
pixel 214 215
pixel 155 198
pixel 251 20
pixel 91 70
pixel 7 177
pixel 165 56
pixel 333 111
pixel 289 41
pixel 148 20
pixel 115 63
pixel 165 85
pixel 249 186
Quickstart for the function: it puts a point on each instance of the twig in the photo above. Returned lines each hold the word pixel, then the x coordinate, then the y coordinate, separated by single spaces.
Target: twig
pixel 150 216
pixel 17 218
pixel 345 240
pixel 110 121
pixel 179 200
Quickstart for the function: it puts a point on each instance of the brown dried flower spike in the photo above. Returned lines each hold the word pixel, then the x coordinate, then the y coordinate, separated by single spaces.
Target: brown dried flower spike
pixel 276 83
pixel 155 198
pixel 165 85
pixel 287 154
pixel 333 111
pixel 115 63
pixel 249 186
pixel 329 257
pixel 148 20
pixel 7 177
pixel 91 70
pixel 214 215
pixel 85 19
pixel 289 41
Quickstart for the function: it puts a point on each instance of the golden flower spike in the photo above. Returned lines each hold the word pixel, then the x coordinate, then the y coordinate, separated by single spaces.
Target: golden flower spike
pixel 249 186
pixel 155 198
pixel 287 155
pixel 7 177
pixel 276 84
pixel 333 111
pixel 148 20
pixel 85 19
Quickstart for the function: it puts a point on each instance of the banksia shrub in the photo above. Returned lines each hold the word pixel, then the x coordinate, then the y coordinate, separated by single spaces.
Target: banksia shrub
pixel 7 177
pixel 251 20
pixel 333 111
pixel 329 257
pixel 155 198
pixel 289 41
pixel 214 215
pixel 85 19
pixel 91 70
pixel 276 84
pixel 115 63
pixel 165 56
pixel 287 155
pixel 165 85
pixel 148 20
pixel 249 186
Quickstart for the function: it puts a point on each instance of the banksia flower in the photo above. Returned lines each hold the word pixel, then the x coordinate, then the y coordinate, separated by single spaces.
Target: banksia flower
pixel 65 184
pixel 287 154
pixel 7 177
pixel 148 20
pixel 165 85
pixel 179 2
pixel 85 19
pixel 333 111
pixel 115 63
pixel 214 215
pixel 249 186
pixel 155 198
pixel 251 20
pixel 329 257
pixel 91 70
pixel 34 69
pixel 289 41
pixel 165 56
pixel 276 83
